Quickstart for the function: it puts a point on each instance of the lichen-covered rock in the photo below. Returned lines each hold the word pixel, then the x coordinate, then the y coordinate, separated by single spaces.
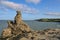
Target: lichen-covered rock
pixel 24 38
pixel 6 33
pixel 19 24
pixel 16 27
pixel 18 18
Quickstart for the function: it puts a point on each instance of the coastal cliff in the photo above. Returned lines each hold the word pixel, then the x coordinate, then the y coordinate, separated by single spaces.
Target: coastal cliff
pixel 18 30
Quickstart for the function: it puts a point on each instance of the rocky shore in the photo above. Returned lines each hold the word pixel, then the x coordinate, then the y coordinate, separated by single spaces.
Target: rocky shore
pixel 18 30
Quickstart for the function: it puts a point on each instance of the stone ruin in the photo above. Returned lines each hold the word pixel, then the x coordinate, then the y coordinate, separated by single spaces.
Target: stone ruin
pixel 18 30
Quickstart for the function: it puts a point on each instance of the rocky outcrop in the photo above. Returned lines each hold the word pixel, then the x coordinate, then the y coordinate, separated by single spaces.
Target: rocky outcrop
pixel 18 30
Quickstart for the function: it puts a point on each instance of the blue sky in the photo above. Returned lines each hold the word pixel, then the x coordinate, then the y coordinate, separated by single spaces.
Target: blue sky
pixel 30 9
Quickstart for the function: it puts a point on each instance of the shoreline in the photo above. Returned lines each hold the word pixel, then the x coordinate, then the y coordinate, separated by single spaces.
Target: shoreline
pixel 19 30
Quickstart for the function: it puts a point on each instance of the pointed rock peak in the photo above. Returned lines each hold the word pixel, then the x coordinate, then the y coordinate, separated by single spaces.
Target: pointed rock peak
pixel 18 17
pixel 18 13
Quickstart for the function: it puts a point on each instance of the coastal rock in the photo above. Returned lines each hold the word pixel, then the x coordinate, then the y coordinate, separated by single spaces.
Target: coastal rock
pixel 18 18
pixel 19 30
pixel 6 33
pixel 16 27
pixel 24 38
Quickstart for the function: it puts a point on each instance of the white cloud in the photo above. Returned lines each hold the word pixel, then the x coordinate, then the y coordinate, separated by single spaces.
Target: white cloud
pixel 22 7
pixel 34 1
pixel 2 0
pixel 53 13
pixel 3 8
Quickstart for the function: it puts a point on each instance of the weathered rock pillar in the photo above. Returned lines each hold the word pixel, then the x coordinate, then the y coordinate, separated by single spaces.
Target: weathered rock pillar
pixel 16 28
pixel 18 17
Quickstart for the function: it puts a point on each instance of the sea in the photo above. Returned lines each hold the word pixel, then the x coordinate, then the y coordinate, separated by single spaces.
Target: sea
pixel 35 25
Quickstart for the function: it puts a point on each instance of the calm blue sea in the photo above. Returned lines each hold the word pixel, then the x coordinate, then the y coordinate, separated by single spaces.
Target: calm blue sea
pixel 33 24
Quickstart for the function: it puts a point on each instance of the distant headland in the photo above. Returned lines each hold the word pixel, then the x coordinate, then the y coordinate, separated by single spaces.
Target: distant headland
pixel 48 20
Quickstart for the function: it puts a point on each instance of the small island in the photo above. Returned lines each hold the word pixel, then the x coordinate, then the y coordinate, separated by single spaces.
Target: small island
pixel 48 20
pixel 19 30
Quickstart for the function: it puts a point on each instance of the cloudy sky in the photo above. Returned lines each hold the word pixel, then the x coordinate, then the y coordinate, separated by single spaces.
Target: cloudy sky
pixel 30 9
